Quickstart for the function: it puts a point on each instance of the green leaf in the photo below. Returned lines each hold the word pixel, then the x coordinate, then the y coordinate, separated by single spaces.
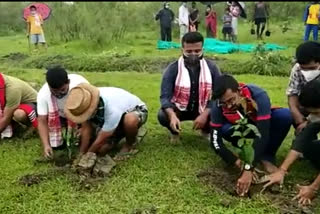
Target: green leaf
pixel 236 134
pixel 241 142
pixel 236 127
pixel 254 129
pixel 246 132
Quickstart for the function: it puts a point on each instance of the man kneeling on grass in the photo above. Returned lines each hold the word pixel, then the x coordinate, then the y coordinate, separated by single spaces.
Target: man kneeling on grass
pixel 186 89
pixel 107 115
pixel 51 100
pixel 17 104
pixel 305 145
pixel 234 100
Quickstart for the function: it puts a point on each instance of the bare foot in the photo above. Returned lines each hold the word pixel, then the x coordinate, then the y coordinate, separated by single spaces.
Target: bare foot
pixel 269 167
pixel 126 148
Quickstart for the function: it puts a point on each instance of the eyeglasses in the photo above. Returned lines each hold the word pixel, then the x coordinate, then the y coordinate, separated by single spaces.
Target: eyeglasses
pixel 230 102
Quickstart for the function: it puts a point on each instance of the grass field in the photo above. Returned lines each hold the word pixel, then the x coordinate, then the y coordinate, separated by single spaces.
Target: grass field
pixel 161 178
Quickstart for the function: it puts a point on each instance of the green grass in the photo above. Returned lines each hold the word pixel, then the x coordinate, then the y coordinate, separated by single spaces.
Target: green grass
pixel 161 175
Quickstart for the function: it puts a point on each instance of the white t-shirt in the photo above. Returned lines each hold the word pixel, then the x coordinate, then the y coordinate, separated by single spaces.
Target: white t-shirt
pixel 183 15
pixel 44 96
pixel 116 102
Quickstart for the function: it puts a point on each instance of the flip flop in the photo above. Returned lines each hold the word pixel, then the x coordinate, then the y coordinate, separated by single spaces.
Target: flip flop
pixel 122 156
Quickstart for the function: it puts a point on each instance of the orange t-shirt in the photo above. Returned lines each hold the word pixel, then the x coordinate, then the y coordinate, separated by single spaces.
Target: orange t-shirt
pixel 35 24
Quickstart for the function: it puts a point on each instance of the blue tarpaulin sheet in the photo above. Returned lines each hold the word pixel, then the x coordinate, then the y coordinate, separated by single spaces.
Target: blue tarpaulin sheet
pixel 222 47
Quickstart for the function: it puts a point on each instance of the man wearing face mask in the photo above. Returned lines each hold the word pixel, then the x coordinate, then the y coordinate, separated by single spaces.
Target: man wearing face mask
pixel 186 88
pixel 51 100
pixel 166 17
pixel 234 100
pixel 305 70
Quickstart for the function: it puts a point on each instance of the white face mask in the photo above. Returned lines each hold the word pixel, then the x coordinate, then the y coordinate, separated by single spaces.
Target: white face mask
pixel 310 74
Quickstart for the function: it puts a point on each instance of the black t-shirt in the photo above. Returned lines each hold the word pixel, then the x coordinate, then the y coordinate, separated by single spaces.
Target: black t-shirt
pixel 194 15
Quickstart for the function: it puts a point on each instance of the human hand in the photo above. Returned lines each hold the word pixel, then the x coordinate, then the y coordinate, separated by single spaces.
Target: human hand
pixel 305 195
pixel 47 152
pixel 301 127
pixel 175 123
pixel 275 178
pixel 244 183
pixel 199 122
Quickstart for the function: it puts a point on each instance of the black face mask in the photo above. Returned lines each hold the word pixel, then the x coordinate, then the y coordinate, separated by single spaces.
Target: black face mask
pixel 60 95
pixel 192 59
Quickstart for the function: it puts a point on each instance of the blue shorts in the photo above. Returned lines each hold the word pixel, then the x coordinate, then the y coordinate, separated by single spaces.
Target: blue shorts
pixel 37 38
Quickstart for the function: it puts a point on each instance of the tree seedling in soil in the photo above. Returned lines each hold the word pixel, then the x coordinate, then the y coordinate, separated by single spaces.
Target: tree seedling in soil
pixel 243 129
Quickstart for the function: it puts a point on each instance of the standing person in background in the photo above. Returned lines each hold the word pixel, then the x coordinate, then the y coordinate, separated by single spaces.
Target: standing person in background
pixel 211 22
pixel 194 17
pixel 260 16
pixel 311 20
pixel 34 27
pixel 235 13
pixel 183 19
pixel 166 17
pixel 227 27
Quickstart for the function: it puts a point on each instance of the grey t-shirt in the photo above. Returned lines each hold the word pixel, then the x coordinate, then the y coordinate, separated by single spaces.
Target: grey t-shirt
pixel 116 102
pixel 227 19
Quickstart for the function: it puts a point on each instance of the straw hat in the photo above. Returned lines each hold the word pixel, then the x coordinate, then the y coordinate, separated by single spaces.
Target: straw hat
pixel 81 102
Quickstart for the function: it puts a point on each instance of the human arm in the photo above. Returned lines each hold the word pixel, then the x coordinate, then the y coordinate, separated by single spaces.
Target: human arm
pixel 306 14
pixel 157 17
pixel 28 26
pixel 293 91
pixel 101 139
pixel 201 120
pixel 172 15
pixel 298 117
pixel 44 135
pixel 86 132
pixel 217 121
pixel 167 86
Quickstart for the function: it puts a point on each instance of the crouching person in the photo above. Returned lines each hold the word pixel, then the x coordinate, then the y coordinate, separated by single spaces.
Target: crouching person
pixel 233 101
pixel 306 144
pixel 107 115
pixel 18 104
pixel 51 100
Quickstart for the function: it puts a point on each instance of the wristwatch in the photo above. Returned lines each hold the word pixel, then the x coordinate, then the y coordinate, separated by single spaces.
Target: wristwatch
pixel 247 167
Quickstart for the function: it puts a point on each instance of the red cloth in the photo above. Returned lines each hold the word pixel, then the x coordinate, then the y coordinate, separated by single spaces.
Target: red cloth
pixel 211 21
pixel 183 84
pixel 233 116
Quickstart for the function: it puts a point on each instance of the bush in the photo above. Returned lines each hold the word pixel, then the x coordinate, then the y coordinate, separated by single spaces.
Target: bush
pixel 262 63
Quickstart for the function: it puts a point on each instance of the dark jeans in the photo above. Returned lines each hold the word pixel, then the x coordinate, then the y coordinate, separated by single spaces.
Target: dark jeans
pixel 281 121
pixel 307 143
pixel 166 34
pixel 310 28
pixel 182 116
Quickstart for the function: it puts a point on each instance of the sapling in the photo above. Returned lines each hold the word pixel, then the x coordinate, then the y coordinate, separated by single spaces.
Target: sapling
pixel 244 130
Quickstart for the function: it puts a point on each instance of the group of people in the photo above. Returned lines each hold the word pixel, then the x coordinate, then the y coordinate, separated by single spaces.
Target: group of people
pixel 189 20
pixel 193 88
pixel 99 117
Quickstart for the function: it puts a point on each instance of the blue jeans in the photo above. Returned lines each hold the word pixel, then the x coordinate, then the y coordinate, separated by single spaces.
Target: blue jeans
pixel 281 121
pixel 310 28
